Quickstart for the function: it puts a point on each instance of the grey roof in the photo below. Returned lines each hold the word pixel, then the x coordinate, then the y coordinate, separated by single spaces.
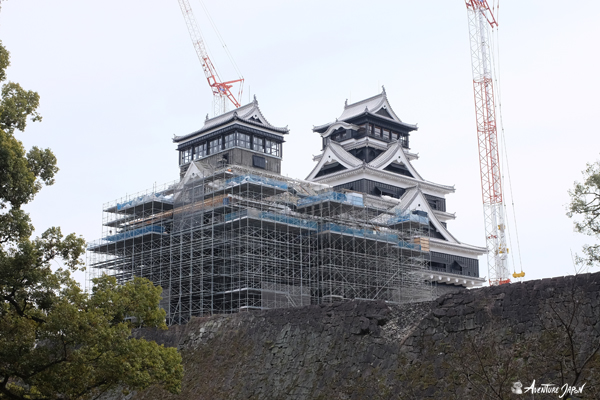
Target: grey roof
pixel 343 155
pixel 372 105
pixel 249 113
pixel 336 125
pixel 394 150
pixel 410 195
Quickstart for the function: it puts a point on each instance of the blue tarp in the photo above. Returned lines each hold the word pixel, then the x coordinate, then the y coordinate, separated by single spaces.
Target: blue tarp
pixel 235 215
pixel 286 219
pixel 408 216
pixel 135 232
pixel 409 245
pixel 354 199
pixel 147 198
pixel 255 179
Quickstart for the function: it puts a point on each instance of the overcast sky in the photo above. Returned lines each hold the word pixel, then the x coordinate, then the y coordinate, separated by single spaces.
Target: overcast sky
pixel 118 79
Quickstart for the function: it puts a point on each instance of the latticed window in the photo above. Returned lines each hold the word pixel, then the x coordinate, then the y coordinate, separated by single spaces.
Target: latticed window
pixel 243 140
pixel 267 146
pixel 229 140
pixel 386 134
pixel 272 147
pixel 404 141
pixel 185 156
pixel 215 146
pixel 200 150
pixel 258 144
pixel 276 149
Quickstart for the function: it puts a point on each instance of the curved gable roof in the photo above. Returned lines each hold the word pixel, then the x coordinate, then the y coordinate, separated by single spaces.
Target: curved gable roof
pixel 372 105
pixel 337 125
pixel 377 105
pixel 335 152
pixel 249 113
pixel 414 198
pixel 394 153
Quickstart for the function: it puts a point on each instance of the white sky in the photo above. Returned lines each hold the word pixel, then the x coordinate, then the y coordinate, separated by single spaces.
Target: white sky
pixel 118 79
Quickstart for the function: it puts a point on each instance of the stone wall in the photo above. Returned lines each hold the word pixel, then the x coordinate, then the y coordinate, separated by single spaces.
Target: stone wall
pixel 470 344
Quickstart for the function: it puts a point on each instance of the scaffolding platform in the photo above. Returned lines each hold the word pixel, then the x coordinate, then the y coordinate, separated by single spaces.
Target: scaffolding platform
pixel 235 239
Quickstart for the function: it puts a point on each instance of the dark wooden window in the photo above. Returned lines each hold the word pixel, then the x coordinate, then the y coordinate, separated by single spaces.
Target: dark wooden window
pixel 230 140
pixel 200 150
pixel 404 140
pixel 272 147
pixel 185 156
pixel 243 140
pixel 215 146
pixel 259 162
pixel 258 143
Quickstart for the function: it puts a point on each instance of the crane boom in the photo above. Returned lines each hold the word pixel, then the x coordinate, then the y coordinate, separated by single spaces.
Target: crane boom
pixel 221 90
pixel 481 19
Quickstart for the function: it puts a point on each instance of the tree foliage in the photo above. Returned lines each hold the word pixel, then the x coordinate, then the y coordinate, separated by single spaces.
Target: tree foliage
pixel 57 341
pixel 585 207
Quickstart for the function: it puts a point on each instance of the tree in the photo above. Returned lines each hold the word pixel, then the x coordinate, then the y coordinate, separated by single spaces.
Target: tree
pixel 585 203
pixel 57 341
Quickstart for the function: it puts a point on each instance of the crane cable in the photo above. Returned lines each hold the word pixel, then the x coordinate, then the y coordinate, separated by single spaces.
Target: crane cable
pixel 504 156
pixel 495 55
pixel 237 70
pixel 505 146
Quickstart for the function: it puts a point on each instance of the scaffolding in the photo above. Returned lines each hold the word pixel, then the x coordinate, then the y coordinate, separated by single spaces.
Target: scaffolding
pixel 231 239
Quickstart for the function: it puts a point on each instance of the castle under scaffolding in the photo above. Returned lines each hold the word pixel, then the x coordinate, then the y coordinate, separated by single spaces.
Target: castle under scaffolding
pixel 235 238
pixel 233 234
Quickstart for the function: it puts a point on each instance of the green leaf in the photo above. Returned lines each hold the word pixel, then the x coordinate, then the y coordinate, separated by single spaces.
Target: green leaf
pixel 57 341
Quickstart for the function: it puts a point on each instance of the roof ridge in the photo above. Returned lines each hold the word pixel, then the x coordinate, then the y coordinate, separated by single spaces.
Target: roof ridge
pixel 382 94
pixel 243 113
pixel 384 157
pixel 339 124
pixel 433 218
pixel 347 157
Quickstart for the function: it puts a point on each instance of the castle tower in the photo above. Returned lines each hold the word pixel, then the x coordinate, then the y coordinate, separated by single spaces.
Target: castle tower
pixel 242 137
pixel 367 150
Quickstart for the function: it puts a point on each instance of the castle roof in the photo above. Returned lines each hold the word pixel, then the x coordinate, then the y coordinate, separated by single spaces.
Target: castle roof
pixel 377 105
pixel 249 113
pixel 335 152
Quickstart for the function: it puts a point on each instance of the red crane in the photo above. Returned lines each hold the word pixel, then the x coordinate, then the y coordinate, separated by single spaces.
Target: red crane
pixel 221 90
pixel 481 22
